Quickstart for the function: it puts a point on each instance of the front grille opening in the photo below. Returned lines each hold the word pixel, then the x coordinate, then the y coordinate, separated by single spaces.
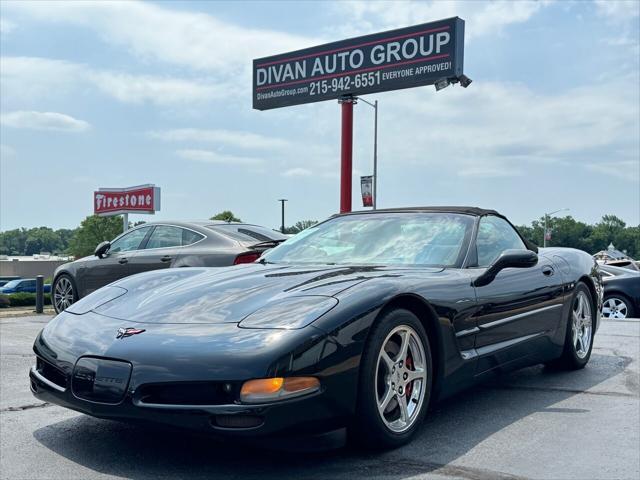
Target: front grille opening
pixel 237 421
pixel 189 393
pixel 51 373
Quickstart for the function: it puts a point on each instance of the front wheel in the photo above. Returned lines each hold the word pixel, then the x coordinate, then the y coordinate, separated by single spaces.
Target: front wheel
pixel 63 293
pixel 395 381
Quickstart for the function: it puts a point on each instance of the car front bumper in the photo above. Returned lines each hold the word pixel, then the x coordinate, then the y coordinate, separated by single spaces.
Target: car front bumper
pixel 308 415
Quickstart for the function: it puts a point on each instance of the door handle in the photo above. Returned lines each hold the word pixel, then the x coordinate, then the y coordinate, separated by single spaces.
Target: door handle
pixel 122 261
pixel 165 259
pixel 547 270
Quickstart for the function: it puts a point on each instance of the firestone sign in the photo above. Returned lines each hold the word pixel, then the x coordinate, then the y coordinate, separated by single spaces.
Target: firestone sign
pixel 408 57
pixel 114 201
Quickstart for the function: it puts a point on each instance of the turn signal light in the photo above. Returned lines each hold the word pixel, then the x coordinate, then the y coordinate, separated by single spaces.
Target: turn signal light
pixel 277 388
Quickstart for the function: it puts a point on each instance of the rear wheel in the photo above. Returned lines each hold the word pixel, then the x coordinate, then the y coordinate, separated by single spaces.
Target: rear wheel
pixel 580 330
pixel 395 381
pixel 617 306
pixel 64 293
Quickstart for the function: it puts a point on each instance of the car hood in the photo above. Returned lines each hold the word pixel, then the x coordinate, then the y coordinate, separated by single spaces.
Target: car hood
pixel 227 294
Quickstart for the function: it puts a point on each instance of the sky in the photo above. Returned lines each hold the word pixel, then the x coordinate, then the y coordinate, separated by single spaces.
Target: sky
pixel 116 94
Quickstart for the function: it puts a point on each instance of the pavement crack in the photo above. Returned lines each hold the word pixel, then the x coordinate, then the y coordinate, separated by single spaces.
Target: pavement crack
pixel 565 390
pixel 26 407
pixel 455 471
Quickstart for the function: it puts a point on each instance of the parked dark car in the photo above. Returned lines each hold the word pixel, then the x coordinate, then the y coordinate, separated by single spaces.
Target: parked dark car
pixel 359 322
pixel 159 245
pixel 621 292
pixel 23 285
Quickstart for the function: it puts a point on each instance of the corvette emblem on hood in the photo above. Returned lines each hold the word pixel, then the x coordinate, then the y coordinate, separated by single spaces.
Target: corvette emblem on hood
pixel 127 332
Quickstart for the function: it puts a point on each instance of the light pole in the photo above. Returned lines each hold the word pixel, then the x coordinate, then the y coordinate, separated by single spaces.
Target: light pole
pixel 282 200
pixel 375 150
pixel 546 216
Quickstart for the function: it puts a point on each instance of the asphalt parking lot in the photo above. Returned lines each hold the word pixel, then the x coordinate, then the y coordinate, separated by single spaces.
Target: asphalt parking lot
pixel 534 423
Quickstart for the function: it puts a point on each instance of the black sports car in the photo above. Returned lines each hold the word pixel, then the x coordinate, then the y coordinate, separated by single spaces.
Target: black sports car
pixel 360 322
pixel 621 292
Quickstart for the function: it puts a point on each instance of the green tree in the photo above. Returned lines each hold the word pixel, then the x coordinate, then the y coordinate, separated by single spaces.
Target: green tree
pixel 568 232
pixel 41 239
pixel 226 216
pixel 12 241
pixel 92 231
pixel 300 226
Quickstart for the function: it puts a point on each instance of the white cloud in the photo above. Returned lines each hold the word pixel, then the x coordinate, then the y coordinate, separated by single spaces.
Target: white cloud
pixel 174 36
pixel 628 170
pixel 209 156
pixel 26 79
pixel 618 10
pixel 160 90
pixel 497 129
pixel 297 172
pixel 232 138
pixel 6 26
pixel 43 121
pixel 482 18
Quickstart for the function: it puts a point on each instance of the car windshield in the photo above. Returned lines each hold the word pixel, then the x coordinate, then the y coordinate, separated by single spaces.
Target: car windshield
pixel 247 233
pixel 425 239
pixel 12 284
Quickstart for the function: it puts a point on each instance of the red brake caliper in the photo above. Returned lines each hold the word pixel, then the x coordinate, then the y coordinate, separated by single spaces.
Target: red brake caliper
pixel 409 364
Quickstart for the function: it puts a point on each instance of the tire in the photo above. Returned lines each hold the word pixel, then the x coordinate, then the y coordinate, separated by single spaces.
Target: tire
pixel 401 382
pixel 580 331
pixel 617 306
pixel 61 297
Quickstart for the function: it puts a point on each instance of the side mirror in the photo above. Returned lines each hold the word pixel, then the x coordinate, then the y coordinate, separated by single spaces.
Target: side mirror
pixel 102 249
pixel 507 259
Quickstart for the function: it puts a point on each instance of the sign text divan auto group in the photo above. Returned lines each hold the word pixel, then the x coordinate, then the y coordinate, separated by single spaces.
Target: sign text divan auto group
pixel 403 58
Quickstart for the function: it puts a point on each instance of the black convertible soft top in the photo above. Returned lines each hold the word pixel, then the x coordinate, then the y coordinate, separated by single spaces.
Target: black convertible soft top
pixel 476 211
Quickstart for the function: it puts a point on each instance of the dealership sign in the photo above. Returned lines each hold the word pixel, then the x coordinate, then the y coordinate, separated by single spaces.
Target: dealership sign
pixel 407 57
pixel 114 201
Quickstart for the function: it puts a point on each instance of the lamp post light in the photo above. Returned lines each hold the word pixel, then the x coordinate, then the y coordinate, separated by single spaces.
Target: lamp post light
pixel 282 200
pixel 375 150
pixel 546 216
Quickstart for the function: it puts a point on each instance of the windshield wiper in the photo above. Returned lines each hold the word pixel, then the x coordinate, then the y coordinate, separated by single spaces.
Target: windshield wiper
pixel 264 261
pixel 268 243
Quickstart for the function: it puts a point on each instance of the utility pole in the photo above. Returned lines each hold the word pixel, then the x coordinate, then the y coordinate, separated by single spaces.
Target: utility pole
pixel 282 200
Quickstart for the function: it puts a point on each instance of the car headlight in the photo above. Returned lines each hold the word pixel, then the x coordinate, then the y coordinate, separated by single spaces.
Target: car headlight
pixel 95 299
pixel 291 313
pixel 272 389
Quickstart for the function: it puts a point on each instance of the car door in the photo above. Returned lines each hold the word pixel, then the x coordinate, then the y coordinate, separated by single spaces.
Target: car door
pixel 159 251
pixel 520 306
pixel 26 286
pixel 115 264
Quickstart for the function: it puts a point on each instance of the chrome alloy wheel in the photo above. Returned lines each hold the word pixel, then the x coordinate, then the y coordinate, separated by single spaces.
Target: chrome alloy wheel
pixel 615 308
pixel 581 324
pixel 401 378
pixel 62 294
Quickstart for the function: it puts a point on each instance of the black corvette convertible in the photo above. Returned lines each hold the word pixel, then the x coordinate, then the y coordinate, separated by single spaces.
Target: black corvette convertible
pixel 359 322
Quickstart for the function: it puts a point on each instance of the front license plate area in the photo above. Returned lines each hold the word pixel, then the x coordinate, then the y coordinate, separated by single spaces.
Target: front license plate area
pixel 100 380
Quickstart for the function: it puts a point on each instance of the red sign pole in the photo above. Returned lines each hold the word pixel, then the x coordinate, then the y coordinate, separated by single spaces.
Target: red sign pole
pixel 346 153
